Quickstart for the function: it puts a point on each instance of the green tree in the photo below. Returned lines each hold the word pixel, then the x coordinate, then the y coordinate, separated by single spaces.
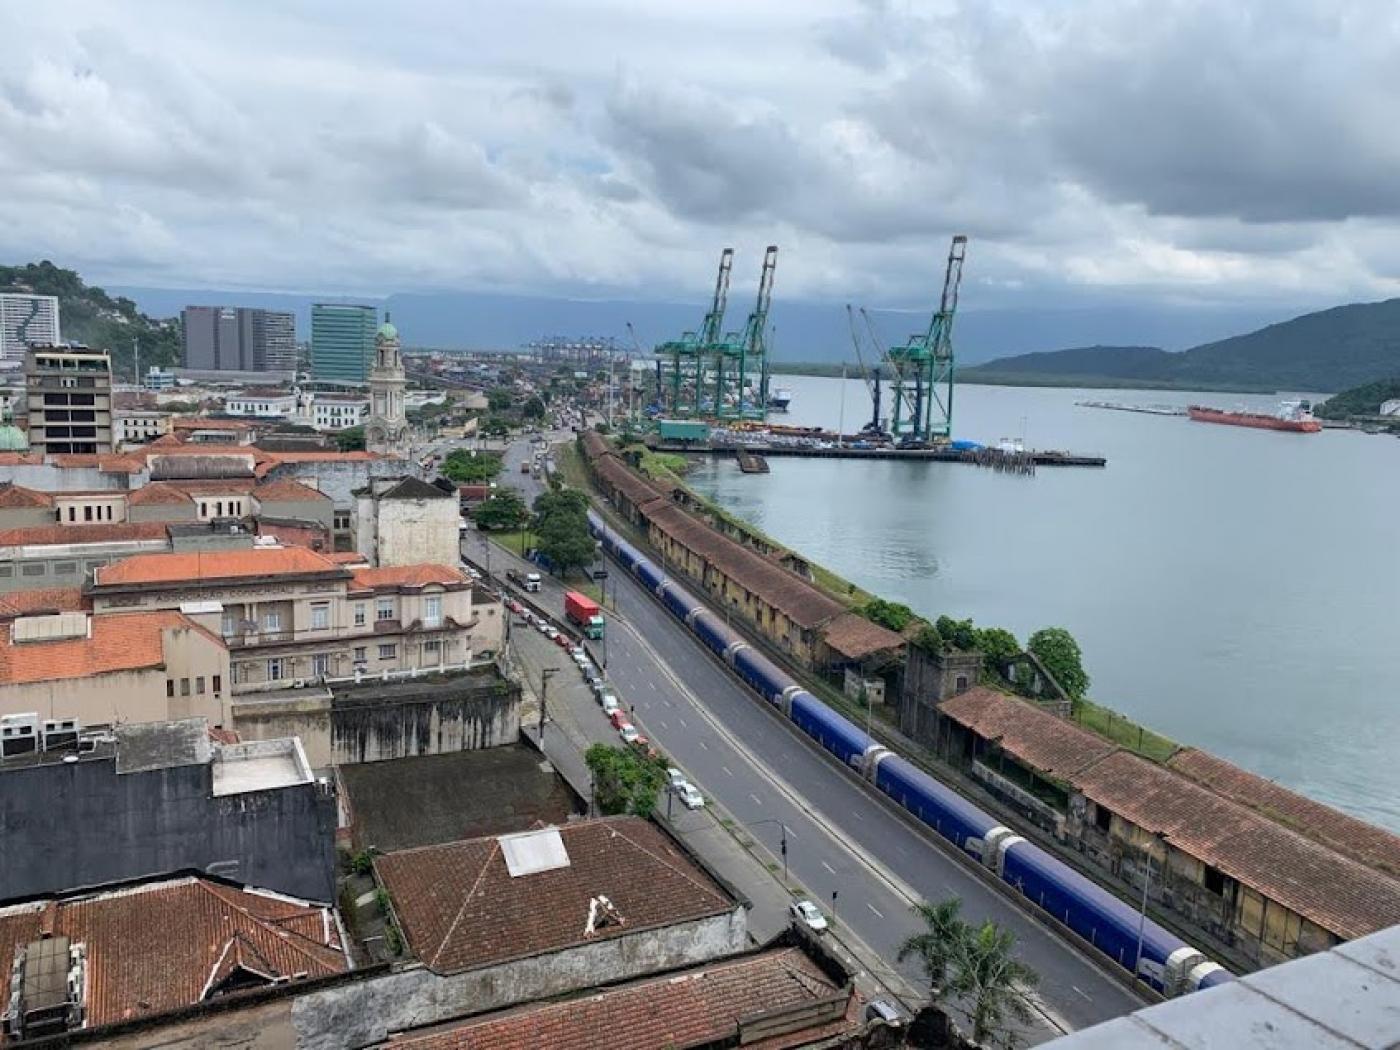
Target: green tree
pixel 351 439
pixel 929 640
pixel 960 634
pixel 1059 652
pixel 468 467
pixel 533 409
pixel 570 502
pixel 494 426
pixel 500 399
pixel 997 983
pixel 503 510
pixel 938 945
pixel 565 541
pixel 997 645
pixel 893 615
pixel 624 779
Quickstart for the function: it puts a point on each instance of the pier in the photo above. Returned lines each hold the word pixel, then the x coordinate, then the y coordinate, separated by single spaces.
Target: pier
pixel 975 457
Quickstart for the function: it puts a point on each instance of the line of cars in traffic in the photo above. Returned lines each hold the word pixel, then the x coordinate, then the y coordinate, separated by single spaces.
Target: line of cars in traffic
pixel 619 717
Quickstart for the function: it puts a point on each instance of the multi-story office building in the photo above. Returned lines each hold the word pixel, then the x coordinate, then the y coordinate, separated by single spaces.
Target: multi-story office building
pixel 70 401
pixel 239 339
pixel 25 321
pixel 342 341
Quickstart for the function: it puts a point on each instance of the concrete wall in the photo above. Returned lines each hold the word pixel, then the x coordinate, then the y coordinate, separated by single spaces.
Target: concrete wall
pixel 26 517
pixel 412 531
pixel 273 718
pixel 49 478
pixel 318 510
pixel 31 568
pixel 358 1015
pixel 74 824
pixel 339 480
pixel 422 718
pixel 186 511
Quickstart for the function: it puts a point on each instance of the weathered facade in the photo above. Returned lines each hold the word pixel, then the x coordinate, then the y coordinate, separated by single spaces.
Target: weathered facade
pixel 406 522
pixel 930 678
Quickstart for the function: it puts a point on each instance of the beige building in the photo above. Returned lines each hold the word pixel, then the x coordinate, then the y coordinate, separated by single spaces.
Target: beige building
pixel 407 521
pixel 69 394
pixel 290 615
pixel 128 667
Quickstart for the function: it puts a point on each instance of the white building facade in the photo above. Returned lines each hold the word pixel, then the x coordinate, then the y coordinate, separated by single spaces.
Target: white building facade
pixel 27 320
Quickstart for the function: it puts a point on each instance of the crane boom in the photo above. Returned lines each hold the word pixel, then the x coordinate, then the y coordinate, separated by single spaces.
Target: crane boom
pixel 714 320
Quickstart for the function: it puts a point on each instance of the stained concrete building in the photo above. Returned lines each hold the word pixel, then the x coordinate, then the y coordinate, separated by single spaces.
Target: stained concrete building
pixel 238 339
pixel 69 394
pixel 27 320
pixel 150 798
pixel 404 521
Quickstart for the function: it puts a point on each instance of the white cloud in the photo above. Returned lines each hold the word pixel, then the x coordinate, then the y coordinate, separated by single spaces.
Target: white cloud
pixel 1172 150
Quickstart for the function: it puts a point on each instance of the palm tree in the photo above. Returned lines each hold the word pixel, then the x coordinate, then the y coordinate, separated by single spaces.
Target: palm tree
pixel 940 943
pixel 993 980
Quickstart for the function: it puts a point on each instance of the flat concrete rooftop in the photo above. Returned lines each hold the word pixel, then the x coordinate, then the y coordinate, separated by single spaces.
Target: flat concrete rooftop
pixel 259 765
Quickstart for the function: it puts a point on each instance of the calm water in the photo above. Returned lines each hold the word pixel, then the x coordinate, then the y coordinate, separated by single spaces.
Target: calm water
pixel 1236 589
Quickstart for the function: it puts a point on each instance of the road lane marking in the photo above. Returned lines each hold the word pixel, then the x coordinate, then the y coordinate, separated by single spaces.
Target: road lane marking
pixel 683 723
pixel 757 800
pixel 1082 992
pixel 727 771
pixel 706 747
pixel 879 914
pixel 828 867
pixel 661 724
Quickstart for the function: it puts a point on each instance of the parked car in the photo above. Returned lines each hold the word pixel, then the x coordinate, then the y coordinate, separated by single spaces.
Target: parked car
pixel 551 632
pixel 514 606
pixel 594 680
pixel 629 733
pixel 618 717
pixel 605 696
pixel 809 915
pixel 544 628
pixel 689 796
pixel 674 778
pixel 562 640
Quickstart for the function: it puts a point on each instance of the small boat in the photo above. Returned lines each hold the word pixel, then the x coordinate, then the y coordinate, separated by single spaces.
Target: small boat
pixel 778 399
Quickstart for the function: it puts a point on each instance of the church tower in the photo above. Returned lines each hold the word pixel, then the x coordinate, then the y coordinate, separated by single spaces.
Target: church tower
pixel 387 428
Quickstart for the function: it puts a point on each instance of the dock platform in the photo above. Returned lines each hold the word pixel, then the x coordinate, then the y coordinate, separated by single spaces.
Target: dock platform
pixel 940 455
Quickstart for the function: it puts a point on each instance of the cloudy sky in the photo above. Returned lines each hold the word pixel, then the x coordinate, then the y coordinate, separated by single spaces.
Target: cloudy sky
pixel 1240 153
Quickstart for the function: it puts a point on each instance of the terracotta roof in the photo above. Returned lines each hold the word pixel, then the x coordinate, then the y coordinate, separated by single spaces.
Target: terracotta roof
pixel 348 558
pixel 108 463
pixel 18 459
pixel 165 441
pixel 1345 834
pixel 855 637
pixel 800 601
pixel 116 642
pixel 324 457
pixel 1050 745
pixel 594 444
pixel 16 496
pixel 1332 891
pixel 42 600
pixel 211 486
pixel 617 478
pixel 206 423
pixel 406 576
pixel 156 493
pixel 165 945
pixel 461 909
pixel 701 1006
pixel 213 565
pixel 42 535
pixel 289 491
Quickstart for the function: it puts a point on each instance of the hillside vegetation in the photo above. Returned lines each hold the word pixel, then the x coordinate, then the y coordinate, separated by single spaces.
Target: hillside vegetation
pixel 1364 400
pixel 89 315
pixel 1329 350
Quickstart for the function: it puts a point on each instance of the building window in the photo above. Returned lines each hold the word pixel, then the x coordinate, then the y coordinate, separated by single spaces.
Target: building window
pixel 184 687
pixel 236 674
pixel 359 614
pixel 199 685
pixel 1103 818
pixel 272 620
pixel 170 687
pixel 218 683
pixel 361 654
pixel 432 651
pixel 227 625
pixel 342 521
pixel 320 665
pixel 1214 881
pixel 387 651
pixel 65 568
pixel 275 669
pixel 87 513
pixel 384 609
pixel 432 610
pixel 320 615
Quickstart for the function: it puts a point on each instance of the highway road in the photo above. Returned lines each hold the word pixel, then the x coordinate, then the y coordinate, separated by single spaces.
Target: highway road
pixel 841 836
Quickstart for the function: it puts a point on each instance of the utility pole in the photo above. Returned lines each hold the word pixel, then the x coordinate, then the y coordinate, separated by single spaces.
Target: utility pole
pixel 136 358
pixel 545 676
pixel 833 907
pixel 1142 914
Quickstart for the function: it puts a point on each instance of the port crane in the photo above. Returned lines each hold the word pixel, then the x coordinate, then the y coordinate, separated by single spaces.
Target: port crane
pixel 747 353
pixel 923 366
pixel 684 358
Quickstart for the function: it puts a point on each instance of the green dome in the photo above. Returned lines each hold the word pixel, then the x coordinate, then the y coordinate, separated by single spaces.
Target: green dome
pixel 13 439
pixel 386 331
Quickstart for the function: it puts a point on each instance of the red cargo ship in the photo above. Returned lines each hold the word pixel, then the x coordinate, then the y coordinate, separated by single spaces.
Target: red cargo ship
pixel 1291 415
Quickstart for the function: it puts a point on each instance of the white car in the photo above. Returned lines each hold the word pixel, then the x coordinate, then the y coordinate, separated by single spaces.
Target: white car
pixel 543 628
pixel 551 632
pixel 809 915
pixel 610 704
pixel 628 732
pixel 674 777
pixel 692 799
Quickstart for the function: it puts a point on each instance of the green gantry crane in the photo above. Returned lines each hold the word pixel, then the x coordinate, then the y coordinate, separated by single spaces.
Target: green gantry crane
pixel 923 367
pixel 684 358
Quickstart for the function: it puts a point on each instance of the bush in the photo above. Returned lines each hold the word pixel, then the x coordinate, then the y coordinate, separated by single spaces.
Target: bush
pixel 998 646
pixel 465 467
pixel 1059 652
pixel 892 615
pixel 362 863
pixel 624 780
pixel 960 634
pixel 929 640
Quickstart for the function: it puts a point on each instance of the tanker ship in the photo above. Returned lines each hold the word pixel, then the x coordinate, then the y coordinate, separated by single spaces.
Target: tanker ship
pixel 1290 415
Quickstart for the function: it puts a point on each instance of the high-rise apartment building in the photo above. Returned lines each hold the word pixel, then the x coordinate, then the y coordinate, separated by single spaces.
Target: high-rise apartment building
pixel 342 341
pixel 239 339
pixel 70 401
pixel 27 320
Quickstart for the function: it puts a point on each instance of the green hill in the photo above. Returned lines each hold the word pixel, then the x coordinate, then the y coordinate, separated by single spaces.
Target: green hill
pixel 103 322
pixel 1329 350
pixel 1364 400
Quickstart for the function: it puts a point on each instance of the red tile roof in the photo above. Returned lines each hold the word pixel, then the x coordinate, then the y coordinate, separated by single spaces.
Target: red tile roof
pixel 704 1005
pixel 289 491
pixel 348 558
pixel 13 497
pixel 206 423
pixel 1345 834
pixel 115 642
pixel 165 441
pixel 165 945
pixel 855 637
pixel 802 602
pixel 1050 745
pixel 108 463
pixel 1330 890
pixel 17 459
pixel 461 909
pixel 41 535
pixel 156 493
pixel 394 576
pixel 42 600
pixel 213 565
pixel 618 479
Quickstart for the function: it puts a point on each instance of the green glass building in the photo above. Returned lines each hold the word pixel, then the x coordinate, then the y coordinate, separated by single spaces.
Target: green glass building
pixel 342 341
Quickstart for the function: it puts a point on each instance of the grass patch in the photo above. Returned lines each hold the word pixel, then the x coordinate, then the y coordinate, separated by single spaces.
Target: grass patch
pixel 514 541
pixel 1122 730
pixel 663 466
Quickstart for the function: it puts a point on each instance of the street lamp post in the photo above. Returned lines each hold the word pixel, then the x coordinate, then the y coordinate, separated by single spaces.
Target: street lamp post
pixel 1142 914
pixel 545 675
pixel 782 845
